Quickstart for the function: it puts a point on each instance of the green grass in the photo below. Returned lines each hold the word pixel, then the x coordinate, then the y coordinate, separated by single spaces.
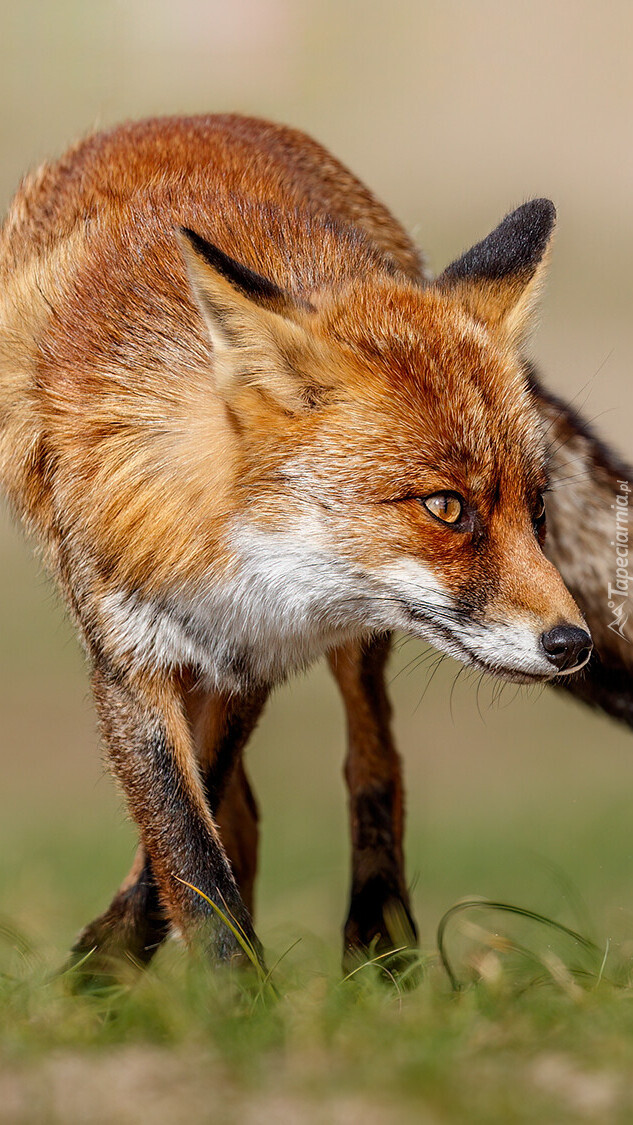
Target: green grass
pixel 542 1030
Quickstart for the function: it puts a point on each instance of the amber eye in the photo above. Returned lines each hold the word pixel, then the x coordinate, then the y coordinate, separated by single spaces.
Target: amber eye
pixel 445 506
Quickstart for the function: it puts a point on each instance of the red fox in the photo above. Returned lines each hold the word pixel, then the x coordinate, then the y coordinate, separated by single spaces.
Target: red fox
pixel 249 430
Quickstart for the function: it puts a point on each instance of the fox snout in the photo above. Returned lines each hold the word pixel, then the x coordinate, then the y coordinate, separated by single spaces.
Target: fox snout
pixel 535 625
pixel 567 647
pixel 548 636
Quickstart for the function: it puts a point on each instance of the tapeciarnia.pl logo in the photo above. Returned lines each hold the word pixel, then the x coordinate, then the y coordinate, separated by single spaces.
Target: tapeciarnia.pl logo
pixel 618 591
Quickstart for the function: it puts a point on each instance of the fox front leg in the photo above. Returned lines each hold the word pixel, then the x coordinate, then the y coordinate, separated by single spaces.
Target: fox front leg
pixel 135 924
pixel 379 916
pixel 150 749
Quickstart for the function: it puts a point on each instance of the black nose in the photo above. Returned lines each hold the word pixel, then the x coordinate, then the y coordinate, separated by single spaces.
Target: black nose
pixel 566 646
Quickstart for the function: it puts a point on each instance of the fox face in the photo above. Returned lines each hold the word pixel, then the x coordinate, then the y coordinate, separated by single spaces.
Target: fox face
pixel 391 463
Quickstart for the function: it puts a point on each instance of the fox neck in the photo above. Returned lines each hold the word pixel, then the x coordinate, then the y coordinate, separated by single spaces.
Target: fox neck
pixel 281 604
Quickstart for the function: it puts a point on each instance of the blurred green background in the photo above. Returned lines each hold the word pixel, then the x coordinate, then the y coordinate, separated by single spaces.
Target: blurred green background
pixel 453 112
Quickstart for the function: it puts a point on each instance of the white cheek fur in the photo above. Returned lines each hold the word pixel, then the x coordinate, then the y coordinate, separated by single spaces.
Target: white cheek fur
pixel 286 599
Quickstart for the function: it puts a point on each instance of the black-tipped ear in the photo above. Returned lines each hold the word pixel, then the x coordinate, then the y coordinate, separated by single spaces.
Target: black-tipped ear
pixel 498 278
pixel 252 285
pixel 516 246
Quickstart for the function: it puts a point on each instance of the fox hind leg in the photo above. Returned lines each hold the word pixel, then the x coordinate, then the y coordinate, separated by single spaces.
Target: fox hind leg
pixel 133 927
pixel 222 726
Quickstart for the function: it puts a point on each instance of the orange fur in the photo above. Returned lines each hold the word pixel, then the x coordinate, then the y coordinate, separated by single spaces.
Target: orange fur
pixel 226 388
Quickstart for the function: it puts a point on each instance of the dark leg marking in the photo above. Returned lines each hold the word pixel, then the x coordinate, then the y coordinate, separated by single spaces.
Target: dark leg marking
pixel 136 923
pixel 379 914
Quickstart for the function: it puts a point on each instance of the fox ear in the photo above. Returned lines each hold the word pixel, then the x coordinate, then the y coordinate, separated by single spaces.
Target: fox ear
pixel 499 279
pixel 250 320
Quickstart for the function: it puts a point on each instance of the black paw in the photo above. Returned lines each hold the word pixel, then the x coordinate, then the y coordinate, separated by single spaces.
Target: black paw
pixel 380 929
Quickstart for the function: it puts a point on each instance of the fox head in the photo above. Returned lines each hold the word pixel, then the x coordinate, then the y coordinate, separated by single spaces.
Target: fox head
pixel 391 462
